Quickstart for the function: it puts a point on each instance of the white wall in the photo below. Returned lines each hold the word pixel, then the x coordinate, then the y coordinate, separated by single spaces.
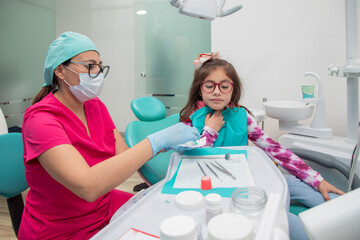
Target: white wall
pixel 110 24
pixel 272 43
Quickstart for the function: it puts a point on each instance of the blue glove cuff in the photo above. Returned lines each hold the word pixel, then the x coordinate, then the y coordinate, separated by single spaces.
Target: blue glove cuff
pixel 152 143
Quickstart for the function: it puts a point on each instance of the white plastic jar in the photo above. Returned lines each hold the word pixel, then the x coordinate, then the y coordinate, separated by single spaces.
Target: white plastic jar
pixel 230 226
pixel 178 227
pixel 249 201
pixel 213 206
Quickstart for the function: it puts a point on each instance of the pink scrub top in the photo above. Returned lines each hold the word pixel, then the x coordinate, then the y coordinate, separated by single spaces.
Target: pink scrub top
pixel 51 210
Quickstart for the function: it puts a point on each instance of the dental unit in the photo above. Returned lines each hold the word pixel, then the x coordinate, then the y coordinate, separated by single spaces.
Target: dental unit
pixel 290 112
pixel 316 139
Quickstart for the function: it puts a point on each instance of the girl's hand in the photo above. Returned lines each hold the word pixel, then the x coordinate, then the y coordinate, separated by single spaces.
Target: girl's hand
pixel 215 121
pixel 325 188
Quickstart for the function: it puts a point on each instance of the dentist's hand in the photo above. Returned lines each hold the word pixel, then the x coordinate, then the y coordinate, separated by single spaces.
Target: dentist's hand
pixel 172 136
pixel 215 121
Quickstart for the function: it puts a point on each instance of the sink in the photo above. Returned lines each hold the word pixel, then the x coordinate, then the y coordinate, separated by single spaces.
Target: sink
pixel 289 110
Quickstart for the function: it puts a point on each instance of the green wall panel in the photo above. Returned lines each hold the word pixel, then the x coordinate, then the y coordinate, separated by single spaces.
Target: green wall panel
pixel 166 43
pixel 27 29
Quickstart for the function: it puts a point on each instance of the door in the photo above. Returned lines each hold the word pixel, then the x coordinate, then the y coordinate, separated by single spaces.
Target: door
pixel 166 43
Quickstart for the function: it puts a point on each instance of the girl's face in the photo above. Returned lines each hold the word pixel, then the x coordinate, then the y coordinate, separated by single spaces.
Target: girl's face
pixel 217 89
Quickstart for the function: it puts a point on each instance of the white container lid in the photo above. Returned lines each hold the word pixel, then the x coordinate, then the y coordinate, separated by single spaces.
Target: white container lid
pixel 179 227
pixel 230 226
pixel 213 199
pixel 189 200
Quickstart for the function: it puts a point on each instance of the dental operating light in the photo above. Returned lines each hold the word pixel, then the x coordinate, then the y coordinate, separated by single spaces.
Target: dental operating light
pixel 204 9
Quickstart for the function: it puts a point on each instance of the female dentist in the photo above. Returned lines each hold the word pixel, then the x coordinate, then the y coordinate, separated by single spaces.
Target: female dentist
pixel 73 154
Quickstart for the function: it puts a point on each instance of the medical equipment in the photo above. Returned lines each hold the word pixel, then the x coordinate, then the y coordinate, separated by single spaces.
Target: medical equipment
pixel 213 206
pixel 178 227
pixel 227 156
pixel 249 201
pixel 207 165
pixel 335 219
pixel 290 112
pixel 336 147
pixel 202 170
pixel 223 170
pixel 206 183
pixel 353 164
pixel 204 9
pixel 319 118
pixel 230 226
pixel 155 206
pixel 189 200
pixel 12 176
pixel 274 224
pixel 151 112
pixel 351 71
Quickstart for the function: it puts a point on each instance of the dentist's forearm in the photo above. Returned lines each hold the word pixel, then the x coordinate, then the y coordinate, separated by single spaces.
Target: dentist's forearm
pixel 118 168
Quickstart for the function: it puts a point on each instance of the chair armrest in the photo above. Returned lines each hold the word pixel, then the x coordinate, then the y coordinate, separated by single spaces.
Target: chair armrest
pixel 328 161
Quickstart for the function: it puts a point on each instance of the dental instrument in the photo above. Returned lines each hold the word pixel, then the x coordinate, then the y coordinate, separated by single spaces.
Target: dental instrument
pixel 223 171
pixel 204 9
pixel 202 170
pixel 212 171
pixel 226 156
pixel 221 166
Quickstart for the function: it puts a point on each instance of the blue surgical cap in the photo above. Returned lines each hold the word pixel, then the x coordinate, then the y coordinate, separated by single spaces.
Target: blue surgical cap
pixel 68 45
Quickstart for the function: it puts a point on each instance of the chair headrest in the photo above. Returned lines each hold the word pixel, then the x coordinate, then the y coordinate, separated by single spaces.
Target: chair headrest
pixel 148 108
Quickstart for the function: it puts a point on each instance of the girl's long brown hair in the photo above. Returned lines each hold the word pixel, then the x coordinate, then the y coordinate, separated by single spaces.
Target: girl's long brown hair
pixel 199 77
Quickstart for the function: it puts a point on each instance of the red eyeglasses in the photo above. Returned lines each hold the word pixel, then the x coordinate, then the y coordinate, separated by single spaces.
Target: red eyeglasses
pixel 224 87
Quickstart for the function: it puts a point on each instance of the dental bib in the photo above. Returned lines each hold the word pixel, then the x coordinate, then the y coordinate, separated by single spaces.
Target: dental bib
pixel 233 133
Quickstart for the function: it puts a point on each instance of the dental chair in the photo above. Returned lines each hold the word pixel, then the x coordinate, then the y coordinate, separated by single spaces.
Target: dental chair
pixel 151 112
pixel 12 175
pixel 335 219
pixel 327 161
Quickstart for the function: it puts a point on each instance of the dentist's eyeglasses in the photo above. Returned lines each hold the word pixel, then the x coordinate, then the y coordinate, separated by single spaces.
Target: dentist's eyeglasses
pixel 224 87
pixel 95 69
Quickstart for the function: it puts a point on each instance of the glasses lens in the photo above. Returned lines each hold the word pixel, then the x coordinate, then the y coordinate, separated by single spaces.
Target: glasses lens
pixel 208 87
pixel 94 70
pixel 226 87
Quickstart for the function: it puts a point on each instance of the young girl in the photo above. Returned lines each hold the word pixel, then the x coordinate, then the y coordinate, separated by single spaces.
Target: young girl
pixel 213 109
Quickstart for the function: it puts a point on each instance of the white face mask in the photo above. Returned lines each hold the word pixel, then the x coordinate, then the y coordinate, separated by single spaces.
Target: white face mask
pixel 88 88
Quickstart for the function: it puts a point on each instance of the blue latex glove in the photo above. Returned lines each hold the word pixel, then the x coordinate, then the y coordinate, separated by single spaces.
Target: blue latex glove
pixel 172 136
pixel 179 149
